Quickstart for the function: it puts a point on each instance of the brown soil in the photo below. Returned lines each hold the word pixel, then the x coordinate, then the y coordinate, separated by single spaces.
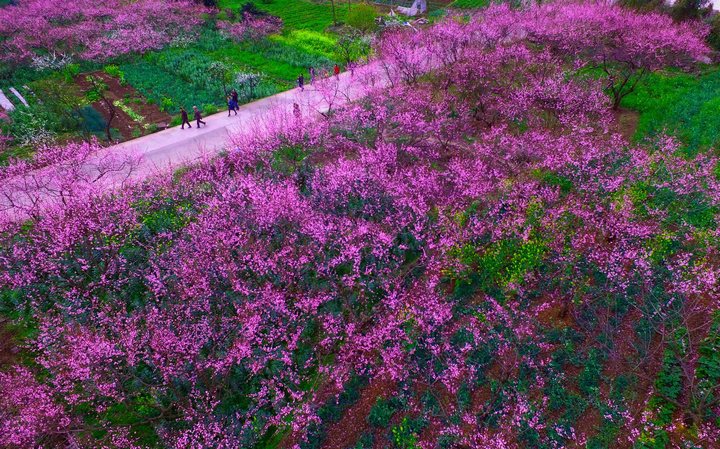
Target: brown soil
pixel 588 423
pixel 624 359
pixel 626 123
pixel 619 360
pixel 122 122
pixel 351 426
pixel 557 316
pixel 8 350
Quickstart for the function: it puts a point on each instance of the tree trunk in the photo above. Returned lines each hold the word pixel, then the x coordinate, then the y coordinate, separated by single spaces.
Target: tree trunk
pixel 332 3
pixel 108 126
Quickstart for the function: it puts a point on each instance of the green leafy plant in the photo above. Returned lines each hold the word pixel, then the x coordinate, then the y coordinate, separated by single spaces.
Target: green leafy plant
pixel 115 72
pixel 380 413
pixel 209 109
pixel 403 435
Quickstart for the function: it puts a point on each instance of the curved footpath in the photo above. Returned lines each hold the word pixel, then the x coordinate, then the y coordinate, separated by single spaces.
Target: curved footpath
pixel 174 147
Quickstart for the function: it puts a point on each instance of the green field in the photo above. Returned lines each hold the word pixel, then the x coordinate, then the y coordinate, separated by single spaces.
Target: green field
pixel 683 105
pixel 296 14
pixel 469 4
pixel 179 74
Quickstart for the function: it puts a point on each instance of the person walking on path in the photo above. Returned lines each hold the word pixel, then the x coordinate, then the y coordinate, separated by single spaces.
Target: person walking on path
pixel 312 75
pixel 301 82
pixel 198 117
pixel 234 96
pixel 232 105
pixel 184 115
pixel 336 70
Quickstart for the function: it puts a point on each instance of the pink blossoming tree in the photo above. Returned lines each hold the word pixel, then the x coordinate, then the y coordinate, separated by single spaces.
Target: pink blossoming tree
pixel 90 30
pixel 475 236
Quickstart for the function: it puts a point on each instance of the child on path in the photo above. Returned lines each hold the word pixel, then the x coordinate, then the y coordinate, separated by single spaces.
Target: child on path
pixel 336 70
pixel 198 116
pixel 232 105
pixel 184 115
pixel 301 82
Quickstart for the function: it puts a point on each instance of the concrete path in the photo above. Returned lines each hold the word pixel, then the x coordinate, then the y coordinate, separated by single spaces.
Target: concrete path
pixel 19 97
pixel 176 146
pixel 132 161
pixel 5 102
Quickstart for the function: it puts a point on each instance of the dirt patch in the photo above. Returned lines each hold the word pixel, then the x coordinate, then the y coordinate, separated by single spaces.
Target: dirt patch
pixel 351 426
pixel 626 123
pixel 8 349
pixel 556 316
pixel 620 359
pixel 626 360
pixel 152 117
pixel 589 422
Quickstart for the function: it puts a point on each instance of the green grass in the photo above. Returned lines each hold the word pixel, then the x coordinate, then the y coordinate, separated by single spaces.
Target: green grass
pixel 310 42
pixel 685 106
pixel 469 4
pixel 15 152
pixel 155 83
pixel 281 73
pixel 296 14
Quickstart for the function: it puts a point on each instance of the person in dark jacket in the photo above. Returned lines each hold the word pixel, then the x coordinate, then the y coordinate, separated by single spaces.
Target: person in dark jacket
pixel 234 96
pixel 232 105
pixel 198 116
pixel 185 121
pixel 301 82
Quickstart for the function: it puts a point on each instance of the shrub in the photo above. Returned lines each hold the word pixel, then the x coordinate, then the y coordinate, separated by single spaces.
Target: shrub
pixel 115 72
pixel 362 17
pixel 31 128
pixel 209 109
pixel 381 413
pixel 589 378
pixel 365 442
pixel 404 436
pixel 166 104
pixel 70 71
